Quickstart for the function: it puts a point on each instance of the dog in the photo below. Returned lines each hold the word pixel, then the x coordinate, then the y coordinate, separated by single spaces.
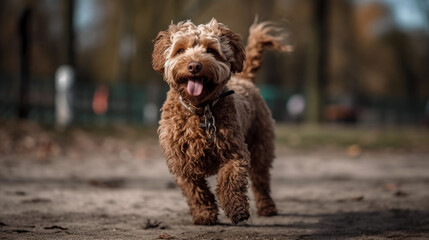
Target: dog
pixel 214 120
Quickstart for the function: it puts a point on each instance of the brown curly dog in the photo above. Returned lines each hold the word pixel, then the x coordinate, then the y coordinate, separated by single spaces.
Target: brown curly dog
pixel 204 128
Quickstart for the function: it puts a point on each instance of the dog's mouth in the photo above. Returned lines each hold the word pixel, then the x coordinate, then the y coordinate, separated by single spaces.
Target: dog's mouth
pixel 194 85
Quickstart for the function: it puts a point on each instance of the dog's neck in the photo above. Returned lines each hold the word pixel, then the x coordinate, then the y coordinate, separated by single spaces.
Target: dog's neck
pixel 206 113
pixel 200 109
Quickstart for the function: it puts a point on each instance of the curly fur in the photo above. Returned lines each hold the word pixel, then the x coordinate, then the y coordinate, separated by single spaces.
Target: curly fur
pixel 244 145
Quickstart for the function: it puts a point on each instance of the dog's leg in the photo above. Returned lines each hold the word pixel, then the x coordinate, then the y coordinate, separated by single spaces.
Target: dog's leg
pixel 201 201
pixel 261 148
pixel 260 177
pixel 232 188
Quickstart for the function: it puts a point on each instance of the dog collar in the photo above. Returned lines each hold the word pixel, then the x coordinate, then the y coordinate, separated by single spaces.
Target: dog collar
pixel 209 120
pixel 200 110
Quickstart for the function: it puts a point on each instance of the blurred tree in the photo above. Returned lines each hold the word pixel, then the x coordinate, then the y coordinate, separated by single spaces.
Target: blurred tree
pixel 127 36
pixel 24 53
pixel 373 56
pixel 273 73
pixel 402 50
pixel 424 70
pixel 69 7
pixel 317 60
pixel 127 49
pixel 342 66
pixel 98 41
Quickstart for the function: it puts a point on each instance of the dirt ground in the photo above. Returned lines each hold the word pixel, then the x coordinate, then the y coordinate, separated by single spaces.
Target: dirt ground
pixel 320 194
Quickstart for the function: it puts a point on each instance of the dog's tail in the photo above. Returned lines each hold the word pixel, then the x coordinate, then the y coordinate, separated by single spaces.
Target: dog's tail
pixel 262 36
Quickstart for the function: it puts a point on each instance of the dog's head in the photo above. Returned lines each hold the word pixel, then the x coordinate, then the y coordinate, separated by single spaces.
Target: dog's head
pixel 197 61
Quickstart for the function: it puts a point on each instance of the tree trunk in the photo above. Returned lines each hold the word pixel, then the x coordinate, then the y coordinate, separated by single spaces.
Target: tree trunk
pixel 317 61
pixel 69 33
pixel 24 88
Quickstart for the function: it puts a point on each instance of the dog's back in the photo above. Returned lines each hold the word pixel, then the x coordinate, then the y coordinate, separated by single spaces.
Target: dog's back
pixel 249 102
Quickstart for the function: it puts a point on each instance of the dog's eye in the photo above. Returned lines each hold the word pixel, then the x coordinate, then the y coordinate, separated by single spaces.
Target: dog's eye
pixel 211 51
pixel 180 51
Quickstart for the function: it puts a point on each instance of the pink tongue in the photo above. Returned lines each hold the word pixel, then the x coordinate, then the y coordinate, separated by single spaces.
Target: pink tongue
pixel 195 87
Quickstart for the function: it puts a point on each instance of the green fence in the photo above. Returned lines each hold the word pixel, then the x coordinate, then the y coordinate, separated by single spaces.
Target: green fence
pixel 130 103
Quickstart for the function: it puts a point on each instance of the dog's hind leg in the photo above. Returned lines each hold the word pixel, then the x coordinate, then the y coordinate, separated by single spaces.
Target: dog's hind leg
pixel 261 147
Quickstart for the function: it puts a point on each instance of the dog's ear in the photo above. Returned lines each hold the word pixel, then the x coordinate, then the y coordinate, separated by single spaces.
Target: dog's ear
pixel 162 42
pixel 234 41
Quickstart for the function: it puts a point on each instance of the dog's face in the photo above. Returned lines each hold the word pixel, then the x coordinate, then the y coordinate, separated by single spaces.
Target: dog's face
pixel 197 61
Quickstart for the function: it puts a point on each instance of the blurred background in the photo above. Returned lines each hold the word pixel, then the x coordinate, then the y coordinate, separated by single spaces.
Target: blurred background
pixel 88 62
pixel 363 62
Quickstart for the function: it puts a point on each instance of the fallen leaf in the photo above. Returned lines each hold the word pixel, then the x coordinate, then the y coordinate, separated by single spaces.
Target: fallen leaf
pixel 390 186
pixel 165 236
pixel 354 150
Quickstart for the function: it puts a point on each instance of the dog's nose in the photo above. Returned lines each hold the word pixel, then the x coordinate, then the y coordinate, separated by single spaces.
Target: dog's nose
pixel 194 67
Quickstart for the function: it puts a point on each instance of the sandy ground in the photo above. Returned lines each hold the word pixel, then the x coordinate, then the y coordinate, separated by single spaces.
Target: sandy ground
pixel 320 194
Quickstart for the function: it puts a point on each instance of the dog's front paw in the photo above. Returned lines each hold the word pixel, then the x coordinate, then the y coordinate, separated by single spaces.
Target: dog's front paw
pixel 238 214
